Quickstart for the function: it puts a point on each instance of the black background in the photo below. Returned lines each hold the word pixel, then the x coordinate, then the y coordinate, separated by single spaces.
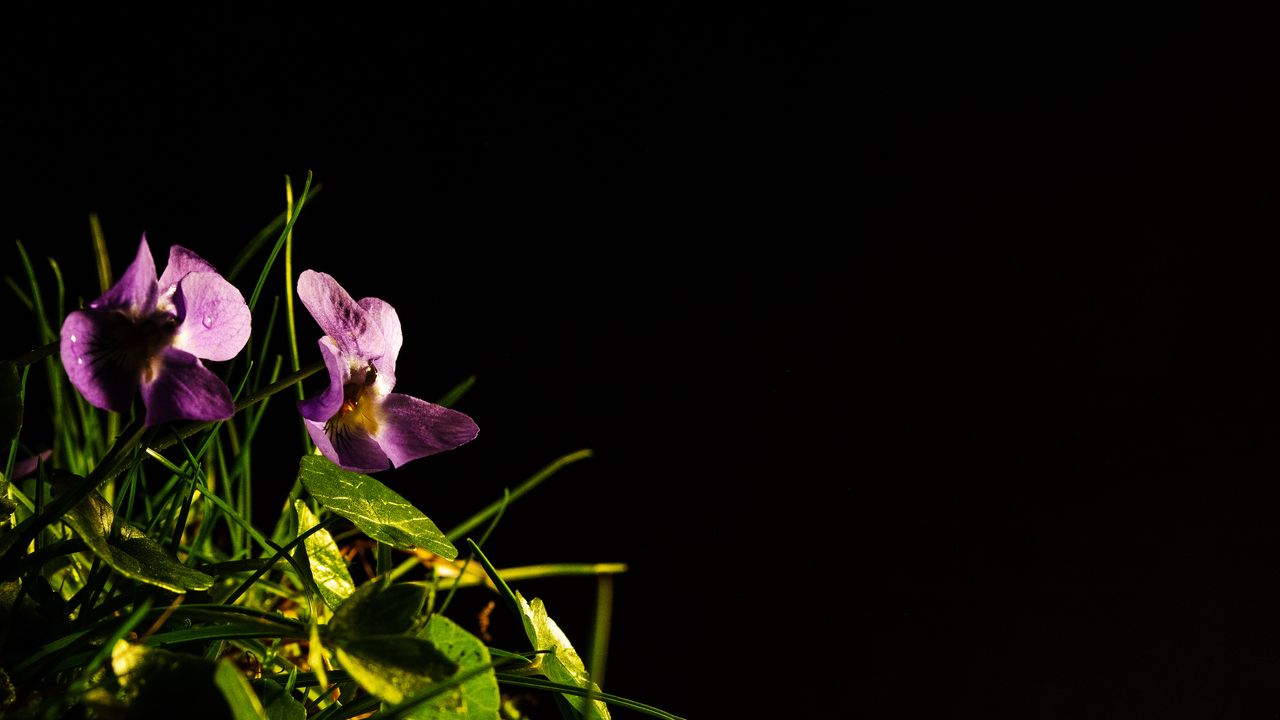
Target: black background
pixel 627 224
pixel 928 358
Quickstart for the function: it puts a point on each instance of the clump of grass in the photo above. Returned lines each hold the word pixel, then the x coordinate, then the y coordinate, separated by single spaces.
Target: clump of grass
pixel 134 582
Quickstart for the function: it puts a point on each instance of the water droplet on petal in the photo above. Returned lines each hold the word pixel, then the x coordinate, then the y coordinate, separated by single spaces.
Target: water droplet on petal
pixel 208 321
pixel 79 361
pixel 73 338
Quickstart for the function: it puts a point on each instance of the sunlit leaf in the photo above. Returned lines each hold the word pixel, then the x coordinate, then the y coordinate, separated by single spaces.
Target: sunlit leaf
pixel 369 632
pixel 563 665
pixel 374 508
pixel 7 505
pixel 477 698
pixel 161 683
pixel 279 704
pixel 394 667
pixel 328 568
pixel 379 607
pixel 10 404
pixel 131 553
pixel 237 691
pixel 8 694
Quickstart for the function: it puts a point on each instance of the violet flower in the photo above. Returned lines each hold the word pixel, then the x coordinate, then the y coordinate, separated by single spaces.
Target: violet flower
pixel 150 334
pixel 357 422
pixel 26 466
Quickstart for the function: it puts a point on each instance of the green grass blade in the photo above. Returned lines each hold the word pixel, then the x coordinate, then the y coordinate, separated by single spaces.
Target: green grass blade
pixel 541 684
pixel 533 482
pixel 275 250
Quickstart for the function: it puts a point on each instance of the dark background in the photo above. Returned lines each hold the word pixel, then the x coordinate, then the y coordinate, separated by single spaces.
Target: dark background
pixel 928 358
pixel 624 223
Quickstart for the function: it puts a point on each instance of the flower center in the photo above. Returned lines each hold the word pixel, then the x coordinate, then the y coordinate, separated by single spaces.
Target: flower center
pixel 135 341
pixel 357 405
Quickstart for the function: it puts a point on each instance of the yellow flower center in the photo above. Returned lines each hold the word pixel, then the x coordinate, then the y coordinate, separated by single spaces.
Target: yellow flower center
pixel 357 409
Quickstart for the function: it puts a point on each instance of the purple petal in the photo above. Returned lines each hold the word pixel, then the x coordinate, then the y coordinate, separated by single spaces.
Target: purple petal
pixel 181 388
pixel 181 262
pixel 136 289
pixel 340 317
pixel 325 405
pixel 214 318
pixel 352 449
pixel 410 428
pixel 104 373
pixel 388 322
pixel 25 467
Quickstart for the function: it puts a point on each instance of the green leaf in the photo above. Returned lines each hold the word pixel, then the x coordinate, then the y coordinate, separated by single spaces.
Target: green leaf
pixel 373 507
pixel 562 665
pixel 328 568
pixel 395 667
pixel 7 505
pixel 378 608
pixel 369 634
pixel 477 698
pixel 8 695
pixel 162 683
pixel 131 553
pixel 238 692
pixel 10 403
pixel 279 704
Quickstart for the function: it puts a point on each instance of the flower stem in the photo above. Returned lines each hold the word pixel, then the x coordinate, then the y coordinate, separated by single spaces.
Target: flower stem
pixel 36 355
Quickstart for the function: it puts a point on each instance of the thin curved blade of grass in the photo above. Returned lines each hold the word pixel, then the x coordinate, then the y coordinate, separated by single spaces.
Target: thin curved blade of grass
pixel 453 396
pixel 102 260
pixel 275 251
pixel 236 690
pixel 541 684
pixel 475 520
pixel 254 246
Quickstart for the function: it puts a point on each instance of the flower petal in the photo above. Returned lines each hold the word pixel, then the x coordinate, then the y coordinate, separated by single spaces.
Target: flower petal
pixel 213 316
pixel 410 428
pixel 352 449
pixel 104 374
pixel 182 388
pixel 181 262
pixel 341 318
pixel 27 466
pixel 325 405
pixel 136 289
pixel 385 317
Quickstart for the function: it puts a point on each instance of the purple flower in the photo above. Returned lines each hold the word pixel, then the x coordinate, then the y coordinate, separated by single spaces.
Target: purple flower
pixel 150 334
pixel 357 422
pixel 23 468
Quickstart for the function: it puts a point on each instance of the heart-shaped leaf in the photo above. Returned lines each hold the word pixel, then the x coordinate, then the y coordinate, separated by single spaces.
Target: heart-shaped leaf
pixel 475 699
pixel 395 667
pixel 279 704
pixel 162 683
pixel 379 607
pixel 130 553
pixel 373 507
